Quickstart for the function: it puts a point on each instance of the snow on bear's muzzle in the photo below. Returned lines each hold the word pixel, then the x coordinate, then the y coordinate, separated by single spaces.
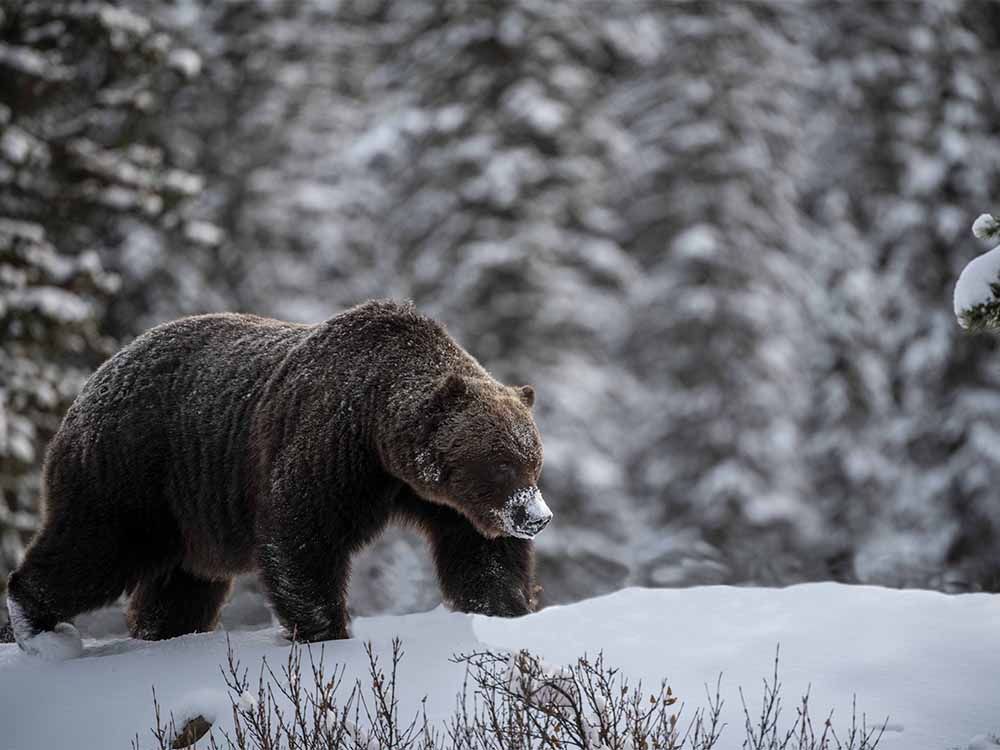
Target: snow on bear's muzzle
pixel 525 513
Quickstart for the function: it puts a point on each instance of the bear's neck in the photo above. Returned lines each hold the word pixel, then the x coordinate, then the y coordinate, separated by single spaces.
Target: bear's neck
pixel 389 366
pixel 403 428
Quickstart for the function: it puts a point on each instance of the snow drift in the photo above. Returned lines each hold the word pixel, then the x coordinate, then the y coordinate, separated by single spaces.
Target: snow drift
pixel 927 661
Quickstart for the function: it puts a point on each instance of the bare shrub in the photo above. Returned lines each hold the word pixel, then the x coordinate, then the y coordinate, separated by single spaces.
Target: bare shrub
pixel 763 733
pixel 520 702
pixel 508 701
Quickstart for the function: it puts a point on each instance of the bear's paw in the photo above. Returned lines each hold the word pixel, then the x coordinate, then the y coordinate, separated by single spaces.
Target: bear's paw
pixel 59 644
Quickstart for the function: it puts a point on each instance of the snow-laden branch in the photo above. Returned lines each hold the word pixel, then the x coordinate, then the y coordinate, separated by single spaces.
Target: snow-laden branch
pixel 977 292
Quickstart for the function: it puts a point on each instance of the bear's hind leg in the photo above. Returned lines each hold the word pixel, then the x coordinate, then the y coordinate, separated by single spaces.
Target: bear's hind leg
pixel 60 578
pixel 175 603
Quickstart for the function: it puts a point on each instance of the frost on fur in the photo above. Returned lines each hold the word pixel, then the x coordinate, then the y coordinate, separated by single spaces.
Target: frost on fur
pixel 525 513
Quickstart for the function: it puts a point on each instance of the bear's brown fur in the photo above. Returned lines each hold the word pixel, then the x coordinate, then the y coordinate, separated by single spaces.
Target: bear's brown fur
pixel 220 444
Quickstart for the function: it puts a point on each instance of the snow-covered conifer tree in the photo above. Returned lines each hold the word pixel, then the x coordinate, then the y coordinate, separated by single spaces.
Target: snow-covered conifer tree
pixel 903 420
pixel 77 82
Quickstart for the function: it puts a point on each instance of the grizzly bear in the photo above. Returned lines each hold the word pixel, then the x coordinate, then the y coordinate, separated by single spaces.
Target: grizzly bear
pixel 220 444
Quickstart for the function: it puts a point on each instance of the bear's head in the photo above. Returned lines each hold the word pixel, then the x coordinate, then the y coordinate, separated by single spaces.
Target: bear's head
pixel 482 455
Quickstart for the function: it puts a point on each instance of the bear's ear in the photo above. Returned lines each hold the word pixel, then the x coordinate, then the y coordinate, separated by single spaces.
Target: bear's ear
pixel 527 395
pixel 454 386
pixel 451 389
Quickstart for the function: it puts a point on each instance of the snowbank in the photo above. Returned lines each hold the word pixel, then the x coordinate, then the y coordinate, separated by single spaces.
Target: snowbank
pixel 928 661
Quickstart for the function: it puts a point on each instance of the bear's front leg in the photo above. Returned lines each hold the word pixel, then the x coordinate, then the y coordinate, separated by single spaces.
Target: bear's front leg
pixel 485 576
pixel 315 515
pixel 308 588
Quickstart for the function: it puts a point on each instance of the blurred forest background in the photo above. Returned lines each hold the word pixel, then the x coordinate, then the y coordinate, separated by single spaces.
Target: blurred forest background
pixel 719 238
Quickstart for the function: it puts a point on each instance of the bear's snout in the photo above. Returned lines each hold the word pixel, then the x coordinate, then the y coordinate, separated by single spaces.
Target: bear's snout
pixel 525 513
pixel 534 525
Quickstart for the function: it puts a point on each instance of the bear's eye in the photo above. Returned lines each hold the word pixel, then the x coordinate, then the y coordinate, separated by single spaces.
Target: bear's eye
pixel 504 472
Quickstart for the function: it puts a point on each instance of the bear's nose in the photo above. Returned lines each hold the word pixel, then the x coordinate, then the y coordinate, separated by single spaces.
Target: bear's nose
pixel 535 525
pixel 536 513
pixel 525 513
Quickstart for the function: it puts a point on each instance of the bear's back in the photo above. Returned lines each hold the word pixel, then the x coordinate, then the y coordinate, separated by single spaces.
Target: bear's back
pixel 186 364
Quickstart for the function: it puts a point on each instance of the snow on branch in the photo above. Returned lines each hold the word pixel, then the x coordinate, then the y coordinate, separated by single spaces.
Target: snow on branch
pixel 977 292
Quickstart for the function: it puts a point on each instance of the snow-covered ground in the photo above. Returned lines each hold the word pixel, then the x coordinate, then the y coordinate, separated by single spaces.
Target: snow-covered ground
pixel 928 661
